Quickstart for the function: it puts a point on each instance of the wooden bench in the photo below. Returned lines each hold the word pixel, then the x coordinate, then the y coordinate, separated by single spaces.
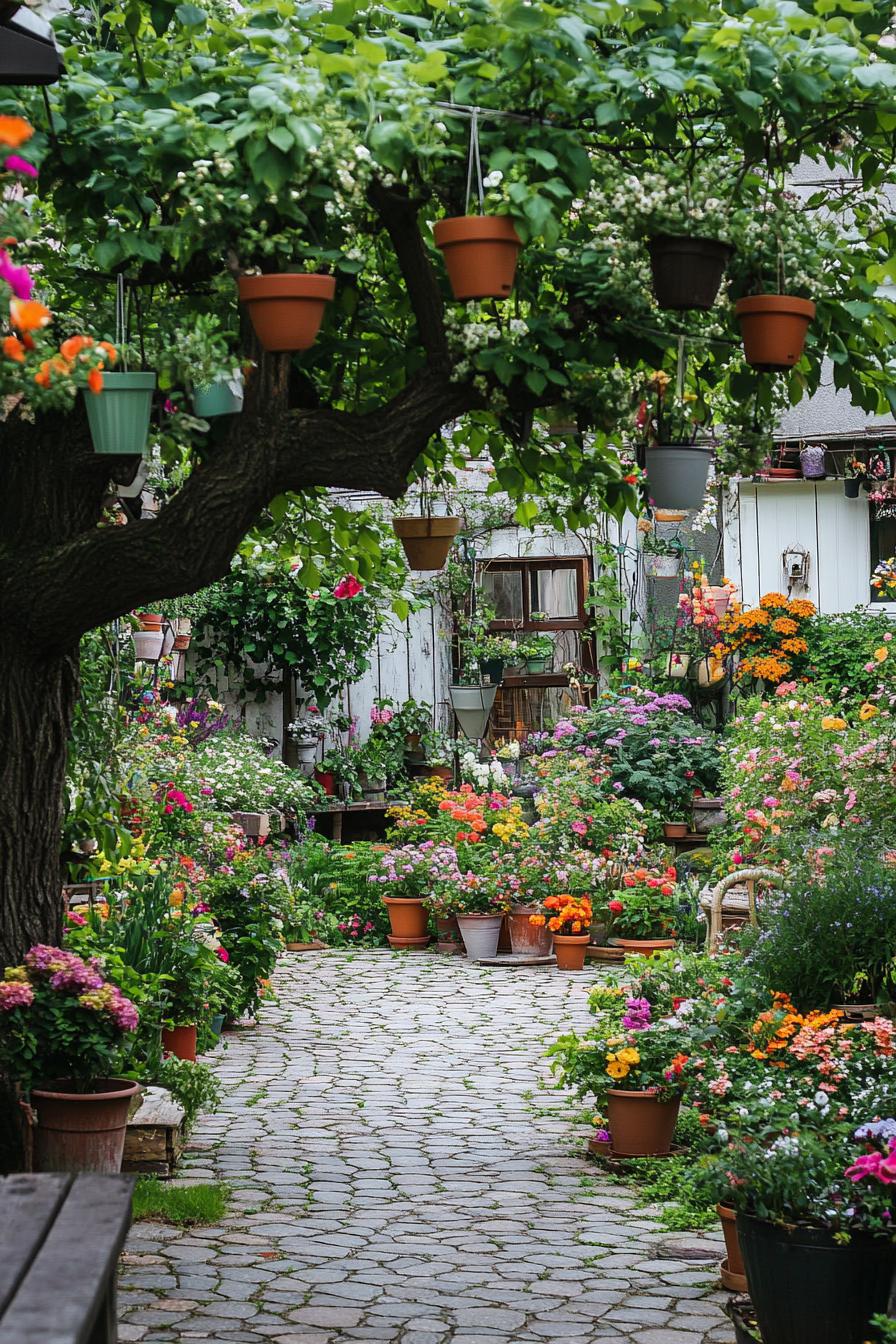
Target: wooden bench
pixel 60 1238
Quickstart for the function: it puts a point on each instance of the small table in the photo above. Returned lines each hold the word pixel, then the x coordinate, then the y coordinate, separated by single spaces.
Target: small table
pixel 60 1238
pixel 338 811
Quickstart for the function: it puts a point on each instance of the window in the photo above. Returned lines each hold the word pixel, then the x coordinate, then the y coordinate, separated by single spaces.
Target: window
pixel 882 536
pixel 554 588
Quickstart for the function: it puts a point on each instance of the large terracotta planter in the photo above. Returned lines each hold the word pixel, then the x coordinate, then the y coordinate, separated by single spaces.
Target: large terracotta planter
pixel 687 271
pixel 807 1287
pixel 286 310
pixel 640 1125
pixel 450 943
pixel 528 940
pixel 774 329
pixel 180 1042
pixel 644 947
pixel 426 540
pixel 81 1131
pixel 480 934
pixel 409 919
pixel 732 1271
pixel 480 254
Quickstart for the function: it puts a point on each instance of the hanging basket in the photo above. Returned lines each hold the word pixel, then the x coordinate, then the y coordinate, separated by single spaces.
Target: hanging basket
pixel 426 540
pixel 222 397
pixel 286 310
pixel 662 566
pixel 473 705
pixel 119 415
pixel 480 254
pixel 687 271
pixel 774 329
pixel 677 474
pixel 677 665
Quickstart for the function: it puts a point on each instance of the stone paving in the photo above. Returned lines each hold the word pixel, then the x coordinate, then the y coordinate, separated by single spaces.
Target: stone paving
pixel 401 1172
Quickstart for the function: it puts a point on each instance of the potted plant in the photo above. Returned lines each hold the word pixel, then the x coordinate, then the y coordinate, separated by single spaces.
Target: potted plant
pixel 373 760
pixel 427 538
pixel 856 476
pixel 64 1035
pixel 494 653
pixel 119 416
pixel 569 920
pixel 472 704
pixel 480 254
pixel 689 224
pixel 438 753
pixel 405 878
pixel 784 244
pixel 307 731
pixel 472 898
pixel 198 356
pixel 677 465
pixel 663 556
pixel 642 914
pixel 675 830
pixel 538 650
pixel 286 309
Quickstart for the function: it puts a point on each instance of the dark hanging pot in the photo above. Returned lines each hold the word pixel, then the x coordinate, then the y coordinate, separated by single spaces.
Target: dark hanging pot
pixel 774 329
pixel 851 487
pixel 493 670
pixel 426 540
pixel 687 271
pixel 805 1286
pixel 677 474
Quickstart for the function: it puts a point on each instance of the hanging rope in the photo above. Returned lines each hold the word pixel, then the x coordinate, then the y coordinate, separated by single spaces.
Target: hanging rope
pixel 474 161
pixel 121 320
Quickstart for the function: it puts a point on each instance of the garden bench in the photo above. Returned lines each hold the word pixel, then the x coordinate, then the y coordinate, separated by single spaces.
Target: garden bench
pixel 60 1237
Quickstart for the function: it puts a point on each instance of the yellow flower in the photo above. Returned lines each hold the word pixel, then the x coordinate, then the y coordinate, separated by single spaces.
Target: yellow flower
pixel 832 723
pixel 617 1070
pixel 868 711
pixel 629 1055
pixel 881 654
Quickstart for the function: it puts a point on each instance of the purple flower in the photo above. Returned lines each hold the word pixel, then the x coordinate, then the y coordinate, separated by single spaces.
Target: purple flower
pixel 15 994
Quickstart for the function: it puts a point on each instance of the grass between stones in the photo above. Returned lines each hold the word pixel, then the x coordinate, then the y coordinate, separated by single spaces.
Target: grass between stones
pixel 182 1205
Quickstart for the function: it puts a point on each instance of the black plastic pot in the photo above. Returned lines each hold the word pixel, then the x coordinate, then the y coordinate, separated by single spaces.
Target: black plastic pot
pixel 806 1287
pixel 851 487
pixel 687 271
pixel 493 670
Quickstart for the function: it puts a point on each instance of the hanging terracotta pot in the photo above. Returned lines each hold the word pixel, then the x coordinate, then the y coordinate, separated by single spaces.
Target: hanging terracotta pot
pixel 640 1125
pixel 687 271
pixel 677 473
pixel 774 329
pixel 480 254
pixel 286 310
pixel 426 540
pixel 119 415
pixel 569 949
pixel 150 620
pixel 180 1042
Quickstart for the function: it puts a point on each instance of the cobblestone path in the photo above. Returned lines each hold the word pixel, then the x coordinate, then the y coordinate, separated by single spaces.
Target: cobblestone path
pixel 399 1174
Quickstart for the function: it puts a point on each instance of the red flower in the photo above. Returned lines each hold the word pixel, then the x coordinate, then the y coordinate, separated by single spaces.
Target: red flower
pixel 616 907
pixel 348 587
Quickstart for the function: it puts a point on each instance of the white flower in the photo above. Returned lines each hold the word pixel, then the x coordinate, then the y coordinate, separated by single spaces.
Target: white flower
pixel 493 179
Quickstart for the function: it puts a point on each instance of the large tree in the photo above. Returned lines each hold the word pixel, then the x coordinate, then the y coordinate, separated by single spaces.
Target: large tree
pixel 188 143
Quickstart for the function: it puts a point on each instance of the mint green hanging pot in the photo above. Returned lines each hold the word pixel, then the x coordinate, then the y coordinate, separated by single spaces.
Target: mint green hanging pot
pixel 119 415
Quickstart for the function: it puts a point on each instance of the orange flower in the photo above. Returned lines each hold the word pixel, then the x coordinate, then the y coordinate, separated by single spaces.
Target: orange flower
pixel 14 349
pixel 95 380
pixel 28 314
pixel 14 131
pixel 784 625
pixel 71 348
pixel 110 352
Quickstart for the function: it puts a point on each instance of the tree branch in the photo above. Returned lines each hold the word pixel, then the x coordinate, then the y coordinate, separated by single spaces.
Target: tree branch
pixel 398 214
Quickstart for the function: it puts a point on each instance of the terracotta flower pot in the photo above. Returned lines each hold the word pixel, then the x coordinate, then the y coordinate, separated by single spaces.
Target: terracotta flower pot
pixel 675 830
pixel 733 1265
pixel 314 946
pixel 644 947
pixel 640 1125
pixel 81 1131
pixel 450 943
pixel 180 1042
pixel 528 940
pixel 443 772
pixel 569 949
pixel 719 597
pixel 480 254
pixel 409 920
pixel 774 329
pixel 182 642
pixel 286 310
pixel 426 540
pixel 150 620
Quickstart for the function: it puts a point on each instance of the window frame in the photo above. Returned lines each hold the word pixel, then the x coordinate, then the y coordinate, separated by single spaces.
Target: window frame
pixel 581 564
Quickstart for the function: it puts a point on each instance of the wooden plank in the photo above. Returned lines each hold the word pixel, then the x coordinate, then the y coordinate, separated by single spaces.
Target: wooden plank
pixel 786 518
pixel 748 518
pixel 28 1205
pixel 70 1286
pixel 844 548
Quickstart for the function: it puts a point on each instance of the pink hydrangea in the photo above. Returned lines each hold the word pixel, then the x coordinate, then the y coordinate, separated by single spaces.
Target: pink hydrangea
pixel 15 994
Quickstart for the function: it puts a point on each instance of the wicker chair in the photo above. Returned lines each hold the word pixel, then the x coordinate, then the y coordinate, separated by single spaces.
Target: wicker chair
pixel 734 894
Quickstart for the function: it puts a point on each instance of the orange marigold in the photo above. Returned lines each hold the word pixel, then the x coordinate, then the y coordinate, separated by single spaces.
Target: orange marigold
pixel 785 625
pixel 774 601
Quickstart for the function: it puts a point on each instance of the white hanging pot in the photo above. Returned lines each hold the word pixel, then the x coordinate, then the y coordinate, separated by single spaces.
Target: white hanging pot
pixel 148 645
pixel 473 705
pixel 677 664
pixel 167 638
pixel 306 753
pixel 661 566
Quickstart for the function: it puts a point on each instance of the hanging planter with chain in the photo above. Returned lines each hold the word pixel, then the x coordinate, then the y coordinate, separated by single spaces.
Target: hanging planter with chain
pixel 119 416
pixel 481 250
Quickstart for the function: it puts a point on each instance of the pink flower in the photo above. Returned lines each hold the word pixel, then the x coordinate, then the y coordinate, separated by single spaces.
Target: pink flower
pixel 348 587
pixel 579 827
pixel 17 277
pixel 15 164
pixel 737 857
pixel 223 954
pixel 74 918
pixel 15 994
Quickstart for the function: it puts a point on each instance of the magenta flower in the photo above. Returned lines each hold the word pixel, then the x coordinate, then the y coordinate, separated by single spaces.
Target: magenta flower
pixel 348 587
pixel 14 163
pixel 17 277
pixel 223 954
pixel 15 994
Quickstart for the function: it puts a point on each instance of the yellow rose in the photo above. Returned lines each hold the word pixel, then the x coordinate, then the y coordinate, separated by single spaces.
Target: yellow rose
pixel 881 654
pixel 868 712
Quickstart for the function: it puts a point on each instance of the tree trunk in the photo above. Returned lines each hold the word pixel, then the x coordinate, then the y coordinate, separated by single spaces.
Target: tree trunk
pixel 37 698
